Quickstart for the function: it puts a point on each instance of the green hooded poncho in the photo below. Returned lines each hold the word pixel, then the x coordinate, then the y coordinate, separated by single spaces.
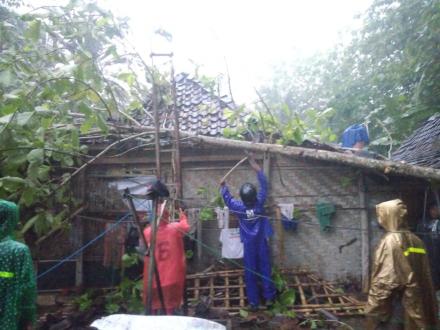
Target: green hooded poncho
pixel 17 279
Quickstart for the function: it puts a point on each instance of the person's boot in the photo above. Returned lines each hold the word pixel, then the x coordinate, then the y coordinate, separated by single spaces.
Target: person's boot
pixel 269 303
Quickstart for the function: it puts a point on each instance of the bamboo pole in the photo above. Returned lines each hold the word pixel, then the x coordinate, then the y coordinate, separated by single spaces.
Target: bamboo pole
pixel 152 268
pixel 176 153
pixel 383 166
pixel 156 131
pixel 233 168
pixel 365 235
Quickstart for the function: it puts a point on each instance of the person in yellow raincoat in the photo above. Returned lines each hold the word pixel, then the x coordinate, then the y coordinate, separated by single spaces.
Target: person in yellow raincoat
pixel 400 272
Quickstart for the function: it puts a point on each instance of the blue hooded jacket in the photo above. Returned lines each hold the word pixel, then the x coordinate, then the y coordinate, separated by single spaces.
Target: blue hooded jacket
pixel 254 225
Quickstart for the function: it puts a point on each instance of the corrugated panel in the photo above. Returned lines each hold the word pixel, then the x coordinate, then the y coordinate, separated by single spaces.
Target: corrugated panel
pixel 423 146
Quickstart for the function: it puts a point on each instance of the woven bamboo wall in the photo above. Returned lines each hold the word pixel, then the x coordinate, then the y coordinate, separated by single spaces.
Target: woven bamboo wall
pixel 298 181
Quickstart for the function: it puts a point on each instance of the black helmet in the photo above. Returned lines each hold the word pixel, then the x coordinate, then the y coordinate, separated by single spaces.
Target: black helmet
pixel 157 189
pixel 248 194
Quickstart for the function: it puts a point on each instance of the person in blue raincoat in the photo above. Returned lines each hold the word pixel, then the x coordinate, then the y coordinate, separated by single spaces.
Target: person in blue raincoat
pixel 255 230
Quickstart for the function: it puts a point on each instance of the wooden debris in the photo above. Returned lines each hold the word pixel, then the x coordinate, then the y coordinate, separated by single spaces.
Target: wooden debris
pixel 226 290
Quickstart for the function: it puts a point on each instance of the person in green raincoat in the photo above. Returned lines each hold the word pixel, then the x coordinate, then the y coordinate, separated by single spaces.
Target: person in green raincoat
pixel 17 279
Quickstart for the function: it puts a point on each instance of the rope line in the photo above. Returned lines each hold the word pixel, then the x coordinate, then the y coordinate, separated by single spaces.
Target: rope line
pixel 85 246
pixel 219 256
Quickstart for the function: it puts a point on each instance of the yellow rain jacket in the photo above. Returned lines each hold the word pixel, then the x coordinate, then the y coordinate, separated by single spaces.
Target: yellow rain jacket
pixel 400 271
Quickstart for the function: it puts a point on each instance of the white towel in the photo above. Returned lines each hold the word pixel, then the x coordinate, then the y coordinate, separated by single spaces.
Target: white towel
pixel 222 217
pixel 287 209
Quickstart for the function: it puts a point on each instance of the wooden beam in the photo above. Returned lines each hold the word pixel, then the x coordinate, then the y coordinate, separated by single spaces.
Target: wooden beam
pixel 79 273
pixel 383 166
pixel 365 235
pixel 280 234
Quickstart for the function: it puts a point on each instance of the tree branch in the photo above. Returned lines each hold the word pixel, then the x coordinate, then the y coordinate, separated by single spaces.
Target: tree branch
pixel 103 152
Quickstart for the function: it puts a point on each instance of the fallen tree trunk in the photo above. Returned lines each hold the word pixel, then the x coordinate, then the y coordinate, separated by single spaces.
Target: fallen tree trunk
pixel 383 166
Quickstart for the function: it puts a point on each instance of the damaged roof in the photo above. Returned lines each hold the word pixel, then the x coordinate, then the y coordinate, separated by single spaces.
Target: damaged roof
pixel 200 110
pixel 423 146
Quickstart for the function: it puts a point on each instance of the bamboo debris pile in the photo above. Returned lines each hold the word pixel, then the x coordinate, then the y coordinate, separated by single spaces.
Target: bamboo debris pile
pixel 226 290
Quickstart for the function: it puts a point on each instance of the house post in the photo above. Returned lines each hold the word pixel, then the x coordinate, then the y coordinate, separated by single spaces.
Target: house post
pixel 365 234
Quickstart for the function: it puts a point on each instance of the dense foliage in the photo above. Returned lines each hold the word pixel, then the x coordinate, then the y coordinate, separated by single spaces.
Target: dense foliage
pixel 66 71
pixel 58 65
pixel 387 76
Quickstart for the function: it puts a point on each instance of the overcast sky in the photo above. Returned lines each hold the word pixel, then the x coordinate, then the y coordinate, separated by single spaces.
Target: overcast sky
pixel 252 35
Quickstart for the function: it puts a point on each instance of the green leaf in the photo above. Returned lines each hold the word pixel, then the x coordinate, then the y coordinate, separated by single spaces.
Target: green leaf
pixel 12 184
pixel 30 223
pixel 101 123
pixel 87 125
pixel 134 105
pixel 112 308
pixel 290 314
pixel 75 137
pixel 129 260
pixel 206 214
pixel 43 172
pixel 288 298
pixel 85 109
pixel 29 195
pixel 127 77
pixel 36 156
pixel 33 30
pixel 24 118
pixel 6 78
pixel 32 171
pixel 68 161
pixel 244 313
pixel 17 158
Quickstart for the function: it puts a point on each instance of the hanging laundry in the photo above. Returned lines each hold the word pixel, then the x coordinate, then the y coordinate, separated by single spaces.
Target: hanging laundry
pixel 222 217
pixel 324 213
pixel 232 247
pixel 287 220
pixel 114 245
pixel 287 209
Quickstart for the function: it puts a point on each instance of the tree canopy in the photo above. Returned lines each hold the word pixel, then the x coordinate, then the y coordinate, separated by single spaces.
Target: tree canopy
pixel 58 63
pixel 387 76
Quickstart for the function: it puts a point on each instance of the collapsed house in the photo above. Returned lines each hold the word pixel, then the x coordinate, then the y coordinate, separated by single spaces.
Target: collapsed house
pixel 333 196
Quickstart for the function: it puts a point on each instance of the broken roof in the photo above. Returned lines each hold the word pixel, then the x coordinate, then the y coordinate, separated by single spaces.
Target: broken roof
pixel 200 110
pixel 423 146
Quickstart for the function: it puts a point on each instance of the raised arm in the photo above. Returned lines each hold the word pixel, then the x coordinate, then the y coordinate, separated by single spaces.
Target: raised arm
pixel 183 224
pixel 231 203
pixel 262 180
pixel 262 192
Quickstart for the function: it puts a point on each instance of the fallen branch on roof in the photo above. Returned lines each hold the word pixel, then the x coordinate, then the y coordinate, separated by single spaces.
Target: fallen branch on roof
pixel 102 153
pixel 383 166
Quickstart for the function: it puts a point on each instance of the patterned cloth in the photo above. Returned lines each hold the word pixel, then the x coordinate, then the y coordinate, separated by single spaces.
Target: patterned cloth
pixel 17 279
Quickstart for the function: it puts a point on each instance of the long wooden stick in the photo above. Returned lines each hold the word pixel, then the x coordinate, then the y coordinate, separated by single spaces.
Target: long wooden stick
pixel 152 267
pixel 144 240
pixel 232 169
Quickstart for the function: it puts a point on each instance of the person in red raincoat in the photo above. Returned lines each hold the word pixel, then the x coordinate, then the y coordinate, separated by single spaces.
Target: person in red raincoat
pixel 170 262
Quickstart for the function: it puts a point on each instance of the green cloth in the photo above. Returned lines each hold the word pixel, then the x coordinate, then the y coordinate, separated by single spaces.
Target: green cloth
pixel 324 213
pixel 17 278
